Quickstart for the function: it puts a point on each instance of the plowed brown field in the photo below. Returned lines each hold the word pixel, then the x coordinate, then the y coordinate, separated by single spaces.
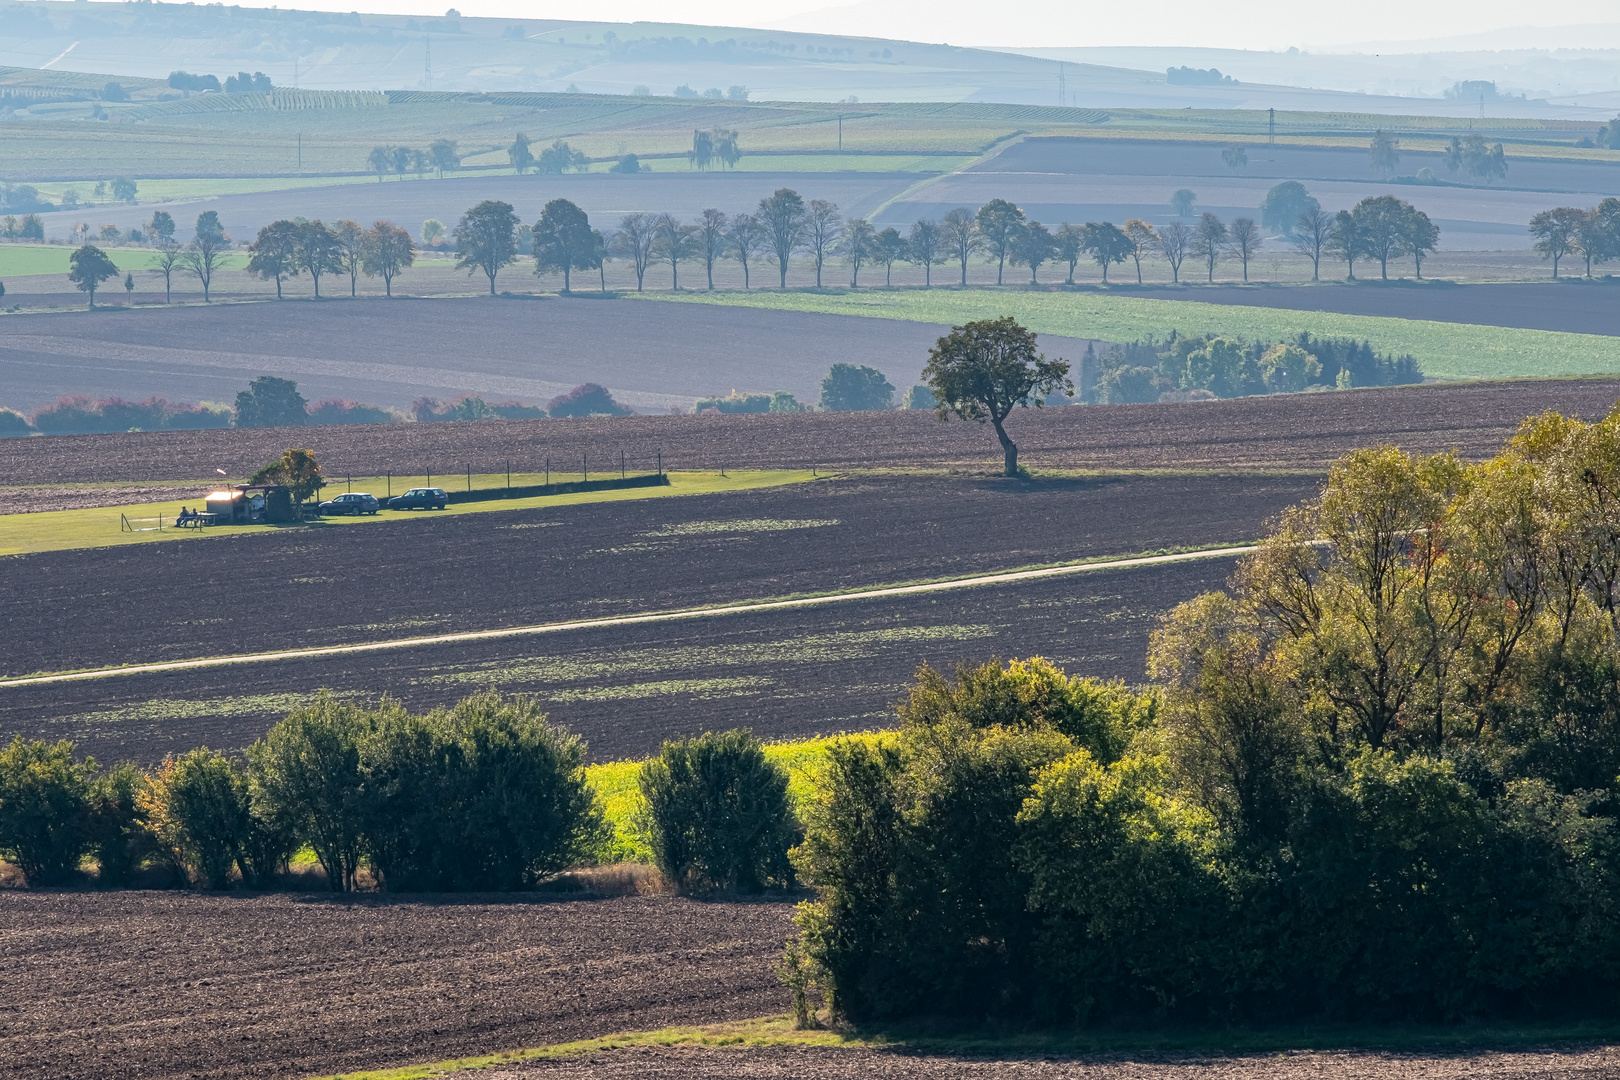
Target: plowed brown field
pixel 784 1062
pixel 105 986
pixel 1294 431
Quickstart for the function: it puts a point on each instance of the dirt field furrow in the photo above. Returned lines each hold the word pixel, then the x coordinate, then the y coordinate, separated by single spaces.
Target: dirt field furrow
pixel 104 986
pixel 426 575
pixel 1289 431
pixel 786 674
pixel 782 1063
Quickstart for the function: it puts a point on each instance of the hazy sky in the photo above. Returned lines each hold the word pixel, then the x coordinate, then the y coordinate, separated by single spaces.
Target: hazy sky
pixel 1254 24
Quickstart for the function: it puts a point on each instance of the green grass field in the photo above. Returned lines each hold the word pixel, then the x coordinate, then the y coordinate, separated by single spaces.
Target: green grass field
pixel 1443 350
pixel 21 260
pixel 60 530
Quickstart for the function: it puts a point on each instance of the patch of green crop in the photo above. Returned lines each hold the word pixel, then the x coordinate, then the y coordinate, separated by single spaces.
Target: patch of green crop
pixel 702 689
pixel 163 710
pixel 618 786
pixel 1443 350
pixel 741 525
pixel 593 667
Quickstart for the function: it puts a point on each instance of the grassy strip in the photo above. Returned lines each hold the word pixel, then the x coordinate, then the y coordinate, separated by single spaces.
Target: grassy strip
pixel 21 260
pixel 1444 350
pixel 779 1031
pixel 60 530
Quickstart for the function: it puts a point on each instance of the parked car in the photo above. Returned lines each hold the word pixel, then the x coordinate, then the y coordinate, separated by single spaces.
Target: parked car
pixel 420 499
pixel 354 502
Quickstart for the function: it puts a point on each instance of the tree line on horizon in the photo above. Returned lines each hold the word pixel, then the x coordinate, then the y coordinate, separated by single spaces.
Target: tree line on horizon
pixel 785 227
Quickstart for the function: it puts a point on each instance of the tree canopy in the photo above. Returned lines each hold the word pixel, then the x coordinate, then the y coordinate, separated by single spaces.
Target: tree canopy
pixel 983 370
pixel 486 239
pixel 88 267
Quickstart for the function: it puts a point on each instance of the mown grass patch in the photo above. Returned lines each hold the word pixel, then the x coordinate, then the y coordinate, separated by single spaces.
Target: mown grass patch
pixel 59 530
pixel 966 1040
pixel 1444 350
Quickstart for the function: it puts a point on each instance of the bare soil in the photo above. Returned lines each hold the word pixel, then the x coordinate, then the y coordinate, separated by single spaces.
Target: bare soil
pixel 293 588
pixel 1305 432
pixel 786 674
pixel 158 984
pixel 772 1063
pixel 391 352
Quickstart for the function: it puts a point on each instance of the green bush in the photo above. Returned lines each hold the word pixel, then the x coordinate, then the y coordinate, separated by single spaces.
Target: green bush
pixel 717 814
pixel 484 795
pixel 307 778
pixel 44 809
pixel 121 838
pixel 201 805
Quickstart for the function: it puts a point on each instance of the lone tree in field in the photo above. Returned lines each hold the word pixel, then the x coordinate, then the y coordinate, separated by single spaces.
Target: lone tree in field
pixel 88 268
pixel 985 370
pixel 563 240
pixel 486 239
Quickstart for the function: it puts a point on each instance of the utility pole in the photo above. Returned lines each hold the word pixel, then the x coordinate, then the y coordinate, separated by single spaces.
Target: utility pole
pixel 840 133
pixel 427 64
pixel 300 153
pixel 1063 90
pixel 1271 129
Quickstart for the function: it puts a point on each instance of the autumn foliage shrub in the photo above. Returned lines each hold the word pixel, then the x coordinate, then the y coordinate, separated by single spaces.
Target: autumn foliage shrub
pixel 1379 777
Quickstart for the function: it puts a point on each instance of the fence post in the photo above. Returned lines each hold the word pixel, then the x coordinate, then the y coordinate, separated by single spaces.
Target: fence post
pixel 585 468
pixel 660 463
pixel 508 478
pixel 469 476
pixel 390 483
pixel 621 464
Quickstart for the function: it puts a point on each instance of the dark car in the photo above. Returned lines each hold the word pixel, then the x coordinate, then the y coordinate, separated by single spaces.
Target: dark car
pixel 355 502
pixel 420 499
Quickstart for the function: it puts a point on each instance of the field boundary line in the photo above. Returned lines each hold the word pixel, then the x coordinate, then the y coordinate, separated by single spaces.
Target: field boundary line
pixel 680 614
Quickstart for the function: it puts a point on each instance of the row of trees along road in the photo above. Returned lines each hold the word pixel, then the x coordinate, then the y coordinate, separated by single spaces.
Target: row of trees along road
pixel 89 266
pixel 1592 235
pixel 284 249
pixel 1381 228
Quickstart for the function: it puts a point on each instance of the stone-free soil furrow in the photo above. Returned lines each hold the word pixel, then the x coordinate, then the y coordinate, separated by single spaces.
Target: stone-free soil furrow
pixel 786 673
pixel 1290 431
pixel 836 1063
pixel 429 574
pixel 152 985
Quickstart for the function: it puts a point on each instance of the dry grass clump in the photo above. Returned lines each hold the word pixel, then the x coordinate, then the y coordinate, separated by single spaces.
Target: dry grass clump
pixel 615 879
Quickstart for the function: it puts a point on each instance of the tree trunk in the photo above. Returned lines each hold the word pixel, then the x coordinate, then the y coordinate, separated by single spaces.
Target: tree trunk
pixel 1008 448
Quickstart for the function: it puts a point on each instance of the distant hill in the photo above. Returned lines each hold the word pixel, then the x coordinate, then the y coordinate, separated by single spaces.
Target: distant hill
pixel 332 51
